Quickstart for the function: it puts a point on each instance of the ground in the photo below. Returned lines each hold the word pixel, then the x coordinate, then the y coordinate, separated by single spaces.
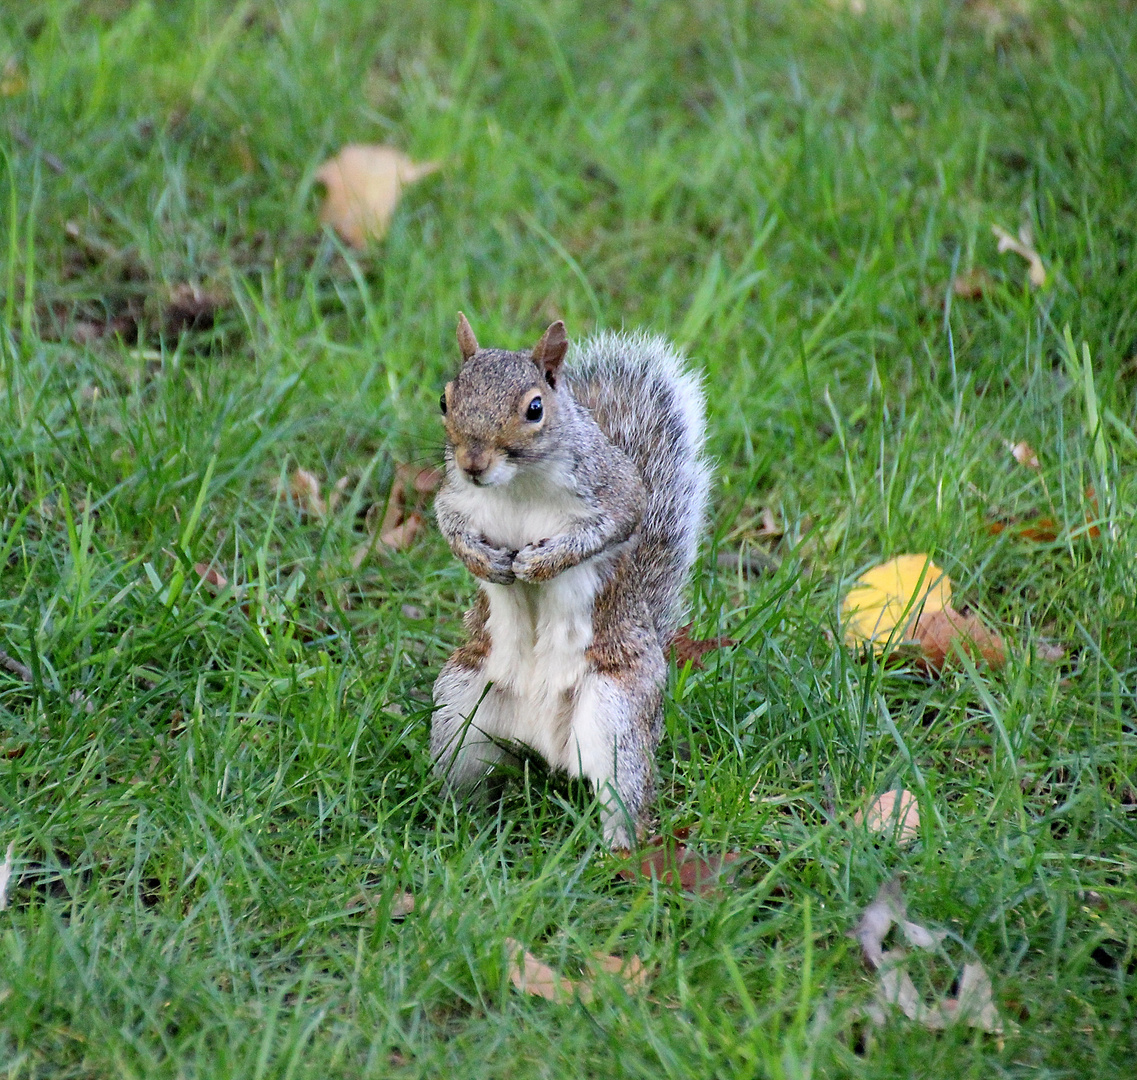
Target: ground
pixel 216 793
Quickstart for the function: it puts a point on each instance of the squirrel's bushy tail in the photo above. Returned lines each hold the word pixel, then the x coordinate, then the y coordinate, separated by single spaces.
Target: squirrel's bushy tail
pixel 650 404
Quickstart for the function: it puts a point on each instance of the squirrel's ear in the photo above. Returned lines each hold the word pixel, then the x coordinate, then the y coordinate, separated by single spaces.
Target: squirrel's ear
pixel 466 340
pixel 550 351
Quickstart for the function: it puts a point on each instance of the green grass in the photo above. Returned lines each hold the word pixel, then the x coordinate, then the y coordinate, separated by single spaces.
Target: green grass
pixel 198 785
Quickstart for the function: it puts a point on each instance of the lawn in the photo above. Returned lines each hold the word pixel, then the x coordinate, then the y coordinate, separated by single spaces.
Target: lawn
pixel 218 787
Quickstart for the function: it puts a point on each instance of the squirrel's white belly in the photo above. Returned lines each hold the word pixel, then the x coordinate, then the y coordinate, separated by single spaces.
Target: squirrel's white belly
pixel 537 663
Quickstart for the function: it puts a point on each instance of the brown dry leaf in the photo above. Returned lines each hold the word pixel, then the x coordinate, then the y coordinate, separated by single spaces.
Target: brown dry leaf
pixel 972 284
pixel 400 537
pixel 1023 246
pixel 769 527
pixel 631 969
pixel 1052 654
pixel 530 976
pixel 6 874
pixel 305 489
pixel 1023 453
pixel 889 597
pixel 687 648
pixel 975 1004
pixel 363 186
pixel 401 905
pixel 895 813
pixel 12 80
pixel 942 633
pixel 671 862
pixel 190 307
pixel 210 575
pixel 423 479
pixel 398 527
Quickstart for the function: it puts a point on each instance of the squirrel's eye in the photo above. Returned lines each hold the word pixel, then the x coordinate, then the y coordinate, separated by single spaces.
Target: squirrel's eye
pixel 442 402
pixel 535 411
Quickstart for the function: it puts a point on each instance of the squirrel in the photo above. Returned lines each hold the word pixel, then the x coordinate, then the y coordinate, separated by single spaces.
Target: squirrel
pixel 575 492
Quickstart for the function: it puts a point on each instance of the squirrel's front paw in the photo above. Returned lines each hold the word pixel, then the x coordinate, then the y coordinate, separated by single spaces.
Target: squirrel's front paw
pixel 491 564
pixel 536 562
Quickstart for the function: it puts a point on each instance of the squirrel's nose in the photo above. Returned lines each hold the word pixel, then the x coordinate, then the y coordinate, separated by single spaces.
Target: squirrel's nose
pixel 473 461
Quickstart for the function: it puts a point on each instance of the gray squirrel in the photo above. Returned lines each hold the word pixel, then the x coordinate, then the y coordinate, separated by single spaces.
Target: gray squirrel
pixel 575 493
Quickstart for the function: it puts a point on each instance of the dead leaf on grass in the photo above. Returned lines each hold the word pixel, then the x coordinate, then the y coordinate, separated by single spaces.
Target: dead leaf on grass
pixel 895 813
pixel 210 576
pixel 12 80
pixel 631 969
pixel 944 634
pixel 190 307
pixel 686 648
pixel 672 863
pixel 363 185
pixel 402 515
pixel 975 1003
pixel 6 875
pixel 401 906
pixel 1023 453
pixel 530 976
pixel 1023 246
pixel 971 284
pixel 305 489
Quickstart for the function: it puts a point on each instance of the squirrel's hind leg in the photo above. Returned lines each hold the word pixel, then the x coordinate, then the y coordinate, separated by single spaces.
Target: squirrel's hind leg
pixel 616 726
pixel 464 721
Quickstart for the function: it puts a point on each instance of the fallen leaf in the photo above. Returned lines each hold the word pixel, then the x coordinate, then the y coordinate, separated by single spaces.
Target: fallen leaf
pixel 1052 654
pixel 422 479
pixel 972 284
pixel 1042 530
pixel 895 813
pixel 687 648
pixel 769 527
pixel 12 80
pixel 398 527
pixel 1023 246
pixel 6 875
pixel 363 185
pixel 888 598
pixel 877 919
pixel 1023 453
pixel 305 489
pixel 190 307
pixel 338 492
pixel 942 634
pixel 530 976
pixel 631 969
pixel 210 575
pixel 401 906
pixel 975 1004
pixel 399 537
pixel 671 863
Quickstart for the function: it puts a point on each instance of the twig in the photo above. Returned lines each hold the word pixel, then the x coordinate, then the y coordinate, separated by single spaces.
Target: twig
pixel 24 673
pixel 751 562
pixel 10 663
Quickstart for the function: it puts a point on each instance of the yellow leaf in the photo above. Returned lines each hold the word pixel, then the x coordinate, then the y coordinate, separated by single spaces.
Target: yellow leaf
pixel 363 187
pixel 887 599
